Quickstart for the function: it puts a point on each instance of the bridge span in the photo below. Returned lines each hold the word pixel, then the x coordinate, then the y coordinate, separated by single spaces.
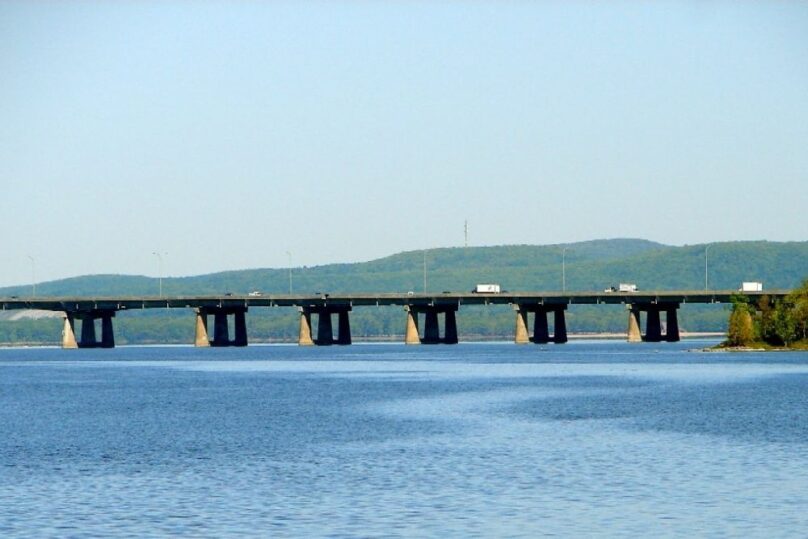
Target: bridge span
pixel 429 307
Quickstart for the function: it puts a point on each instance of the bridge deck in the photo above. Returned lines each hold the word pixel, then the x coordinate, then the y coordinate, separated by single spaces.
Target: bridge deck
pixel 75 303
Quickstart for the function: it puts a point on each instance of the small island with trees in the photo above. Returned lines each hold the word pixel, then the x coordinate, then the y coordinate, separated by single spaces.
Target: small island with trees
pixel 769 325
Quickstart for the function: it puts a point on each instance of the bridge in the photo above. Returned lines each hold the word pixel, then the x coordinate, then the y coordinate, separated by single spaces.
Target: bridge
pixel 429 307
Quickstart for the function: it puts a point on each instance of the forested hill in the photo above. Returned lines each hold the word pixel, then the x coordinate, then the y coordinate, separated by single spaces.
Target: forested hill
pixel 590 265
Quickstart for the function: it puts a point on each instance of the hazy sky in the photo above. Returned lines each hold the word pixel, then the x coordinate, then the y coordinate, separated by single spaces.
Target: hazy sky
pixel 228 133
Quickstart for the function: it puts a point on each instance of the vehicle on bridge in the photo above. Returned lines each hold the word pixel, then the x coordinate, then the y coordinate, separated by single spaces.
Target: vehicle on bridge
pixel 751 286
pixel 622 287
pixel 487 289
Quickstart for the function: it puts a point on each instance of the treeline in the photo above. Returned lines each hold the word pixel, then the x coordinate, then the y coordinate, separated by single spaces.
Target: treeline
pixel 782 323
pixel 589 266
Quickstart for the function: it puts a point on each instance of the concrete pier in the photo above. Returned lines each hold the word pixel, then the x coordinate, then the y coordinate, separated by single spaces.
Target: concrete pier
pixel 653 322
pixel 240 327
pixel 325 330
pixel 221 327
pixel 560 323
pixel 541 327
pixel 431 327
pixel 450 328
pixel 325 325
pixel 304 336
pixel 521 335
pixel 634 332
pixel 344 328
pixel 672 324
pixel 88 332
pixel 221 330
pixel 411 335
pixel 432 333
pixel 107 333
pixel 88 338
pixel 653 326
pixel 201 333
pixel 69 332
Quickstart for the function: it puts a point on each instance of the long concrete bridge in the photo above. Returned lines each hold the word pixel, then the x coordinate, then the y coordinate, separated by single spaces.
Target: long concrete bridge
pixel 429 307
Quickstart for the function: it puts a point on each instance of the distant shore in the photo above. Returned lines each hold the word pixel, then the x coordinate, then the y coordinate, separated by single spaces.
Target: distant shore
pixel 801 346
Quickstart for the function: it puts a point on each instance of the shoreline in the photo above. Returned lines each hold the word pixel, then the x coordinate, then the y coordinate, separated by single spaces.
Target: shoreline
pixel 741 349
pixel 392 339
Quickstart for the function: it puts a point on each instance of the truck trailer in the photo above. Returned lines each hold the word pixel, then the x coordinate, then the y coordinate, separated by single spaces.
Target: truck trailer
pixel 751 286
pixel 622 287
pixel 487 289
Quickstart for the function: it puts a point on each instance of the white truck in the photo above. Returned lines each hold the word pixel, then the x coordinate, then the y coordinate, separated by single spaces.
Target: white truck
pixel 751 286
pixel 487 289
pixel 622 287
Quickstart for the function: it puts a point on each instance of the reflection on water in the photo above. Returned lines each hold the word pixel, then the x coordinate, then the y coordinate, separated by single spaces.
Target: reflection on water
pixel 385 440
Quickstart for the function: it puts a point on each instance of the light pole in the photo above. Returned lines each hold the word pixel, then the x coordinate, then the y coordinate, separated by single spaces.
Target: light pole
pixel 564 269
pixel 33 276
pixel 289 254
pixel 160 270
pixel 705 266
pixel 424 271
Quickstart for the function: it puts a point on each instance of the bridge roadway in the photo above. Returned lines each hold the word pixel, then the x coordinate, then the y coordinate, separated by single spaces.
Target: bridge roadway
pixel 432 305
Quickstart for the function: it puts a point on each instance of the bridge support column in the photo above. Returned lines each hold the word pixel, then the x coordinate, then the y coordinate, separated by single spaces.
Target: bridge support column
pixel 431 328
pixel 221 331
pixel 221 327
pixel 653 326
pixel 201 333
pixel 520 332
pixel 344 328
pixel 432 324
pixel 88 332
pixel 69 332
pixel 672 323
pixel 107 333
pixel 411 335
pixel 304 337
pixel 325 331
pixel 634 333
pixel 560 323
pixel 450 328
pixel 653 323
pixel 325 325
pixel 541 330
pixel 240 325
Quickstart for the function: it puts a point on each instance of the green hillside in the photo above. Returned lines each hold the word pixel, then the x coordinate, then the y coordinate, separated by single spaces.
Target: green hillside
pixel 590 265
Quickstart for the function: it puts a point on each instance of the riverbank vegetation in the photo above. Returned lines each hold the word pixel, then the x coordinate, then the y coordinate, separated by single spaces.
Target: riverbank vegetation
pixel 771 324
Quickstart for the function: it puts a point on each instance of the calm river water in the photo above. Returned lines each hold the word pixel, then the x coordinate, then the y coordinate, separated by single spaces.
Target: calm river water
pixel 492 440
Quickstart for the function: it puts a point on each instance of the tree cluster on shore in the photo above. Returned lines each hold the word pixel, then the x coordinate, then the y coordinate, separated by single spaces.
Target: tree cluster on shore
pixel 770 324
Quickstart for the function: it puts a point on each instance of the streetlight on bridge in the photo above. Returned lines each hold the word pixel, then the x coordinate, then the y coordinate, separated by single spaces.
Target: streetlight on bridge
pixel 564 268
pixel 160 270
pixel 705 265
pixel 425 271
pixel 289 254
pixel 33 276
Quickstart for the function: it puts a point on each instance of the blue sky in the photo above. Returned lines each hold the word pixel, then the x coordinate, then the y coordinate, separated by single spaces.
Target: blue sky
pixel 226 134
